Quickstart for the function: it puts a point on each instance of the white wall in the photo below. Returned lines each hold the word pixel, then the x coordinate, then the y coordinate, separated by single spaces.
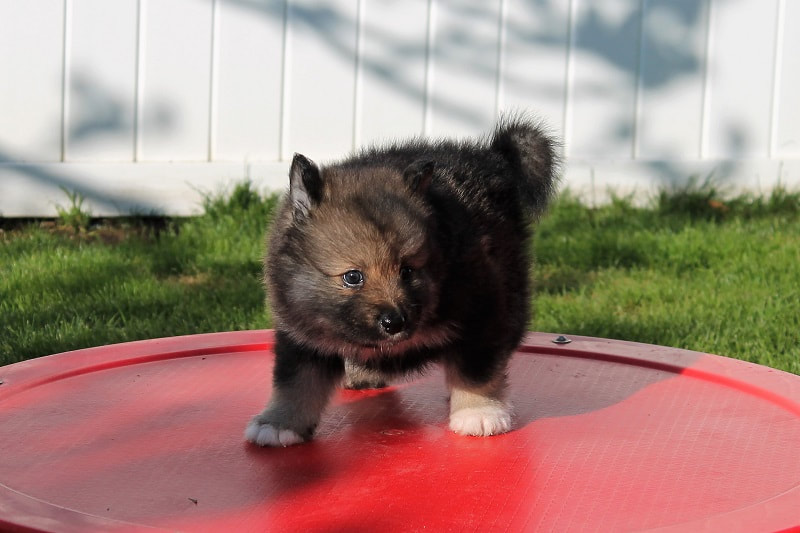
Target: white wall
pixel 142 105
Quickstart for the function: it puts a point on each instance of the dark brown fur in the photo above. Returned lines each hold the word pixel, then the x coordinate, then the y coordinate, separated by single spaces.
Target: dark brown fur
pixel 437 237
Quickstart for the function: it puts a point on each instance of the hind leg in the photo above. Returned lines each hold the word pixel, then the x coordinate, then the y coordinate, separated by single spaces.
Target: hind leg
pixel 358 376
pixel 478 407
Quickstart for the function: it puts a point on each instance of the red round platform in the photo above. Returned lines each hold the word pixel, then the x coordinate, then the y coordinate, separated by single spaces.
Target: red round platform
pixel 608 435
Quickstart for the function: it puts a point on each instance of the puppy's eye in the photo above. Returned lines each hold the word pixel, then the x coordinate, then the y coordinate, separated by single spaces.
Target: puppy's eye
pixel 406 272
pixel 353 278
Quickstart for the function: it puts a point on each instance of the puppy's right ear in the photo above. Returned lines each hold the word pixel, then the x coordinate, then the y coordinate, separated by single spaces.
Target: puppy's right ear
pixel 418 176
pixel 305 184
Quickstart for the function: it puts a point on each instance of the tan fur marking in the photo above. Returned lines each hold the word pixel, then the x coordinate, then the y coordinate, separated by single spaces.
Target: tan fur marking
pixel 478 411
pixel 463 395
pixel 360 377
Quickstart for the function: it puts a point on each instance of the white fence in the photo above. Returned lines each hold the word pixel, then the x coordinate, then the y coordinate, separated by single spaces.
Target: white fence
pixel 140 105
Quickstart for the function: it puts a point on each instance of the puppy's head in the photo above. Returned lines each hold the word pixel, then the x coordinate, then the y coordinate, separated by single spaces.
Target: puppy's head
pixel 356 270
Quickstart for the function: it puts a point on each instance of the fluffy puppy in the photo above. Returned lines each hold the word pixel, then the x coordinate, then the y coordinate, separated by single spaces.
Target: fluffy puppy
pixel 402 256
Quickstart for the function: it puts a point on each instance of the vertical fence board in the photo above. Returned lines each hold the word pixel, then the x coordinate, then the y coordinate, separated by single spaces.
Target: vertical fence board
pixel 102 80
pixel 177 68
pixel 606 52
pixel 787 143
pixel 322 35
pixel 742 58
pixel 251 51
pixel 464 55
pixel 535 59
pixel 31 39
pixel 671 79
pixel 393 66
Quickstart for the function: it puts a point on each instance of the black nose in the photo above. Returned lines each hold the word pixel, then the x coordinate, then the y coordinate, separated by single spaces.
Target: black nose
pixel 392 322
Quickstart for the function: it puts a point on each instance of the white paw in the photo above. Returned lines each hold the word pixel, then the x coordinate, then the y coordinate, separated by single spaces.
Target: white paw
pixel 481 421
pixel 265 434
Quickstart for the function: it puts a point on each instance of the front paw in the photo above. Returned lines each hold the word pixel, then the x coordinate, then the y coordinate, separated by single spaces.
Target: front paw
pixel 481 421
pixel 268 434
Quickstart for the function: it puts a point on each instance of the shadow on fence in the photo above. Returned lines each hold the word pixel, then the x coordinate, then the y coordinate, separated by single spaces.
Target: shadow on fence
pixel 591 33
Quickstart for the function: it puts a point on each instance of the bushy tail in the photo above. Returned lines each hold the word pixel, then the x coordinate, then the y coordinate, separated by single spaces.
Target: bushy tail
pixel 532 153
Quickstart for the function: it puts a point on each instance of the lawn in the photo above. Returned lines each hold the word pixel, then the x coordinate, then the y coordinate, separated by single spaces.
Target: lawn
pixel 692 270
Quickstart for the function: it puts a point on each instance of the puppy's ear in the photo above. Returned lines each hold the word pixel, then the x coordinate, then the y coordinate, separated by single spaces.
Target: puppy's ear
pixel 418 176
pixel 305 184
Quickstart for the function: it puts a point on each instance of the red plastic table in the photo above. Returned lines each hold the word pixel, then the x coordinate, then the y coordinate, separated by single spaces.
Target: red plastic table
pixel 609 435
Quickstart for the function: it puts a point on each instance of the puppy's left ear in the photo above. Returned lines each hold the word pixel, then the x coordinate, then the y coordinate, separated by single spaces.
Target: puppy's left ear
pixel 418 176
pixel 305 184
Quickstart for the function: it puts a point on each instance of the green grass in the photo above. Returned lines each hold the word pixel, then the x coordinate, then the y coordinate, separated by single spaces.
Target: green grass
pixel 693 270
pixel 61 291
pixel 74 216
pixel 722 283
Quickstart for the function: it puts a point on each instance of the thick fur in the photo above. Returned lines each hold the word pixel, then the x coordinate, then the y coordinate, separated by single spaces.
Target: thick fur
pixel 436 237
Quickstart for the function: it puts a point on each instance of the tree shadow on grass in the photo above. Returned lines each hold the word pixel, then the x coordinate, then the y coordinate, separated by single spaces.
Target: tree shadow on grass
pixel 115 300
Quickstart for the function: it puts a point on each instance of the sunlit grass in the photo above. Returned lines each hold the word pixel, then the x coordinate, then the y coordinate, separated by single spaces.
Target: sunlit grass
pixel 726 284
pixel 693 270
